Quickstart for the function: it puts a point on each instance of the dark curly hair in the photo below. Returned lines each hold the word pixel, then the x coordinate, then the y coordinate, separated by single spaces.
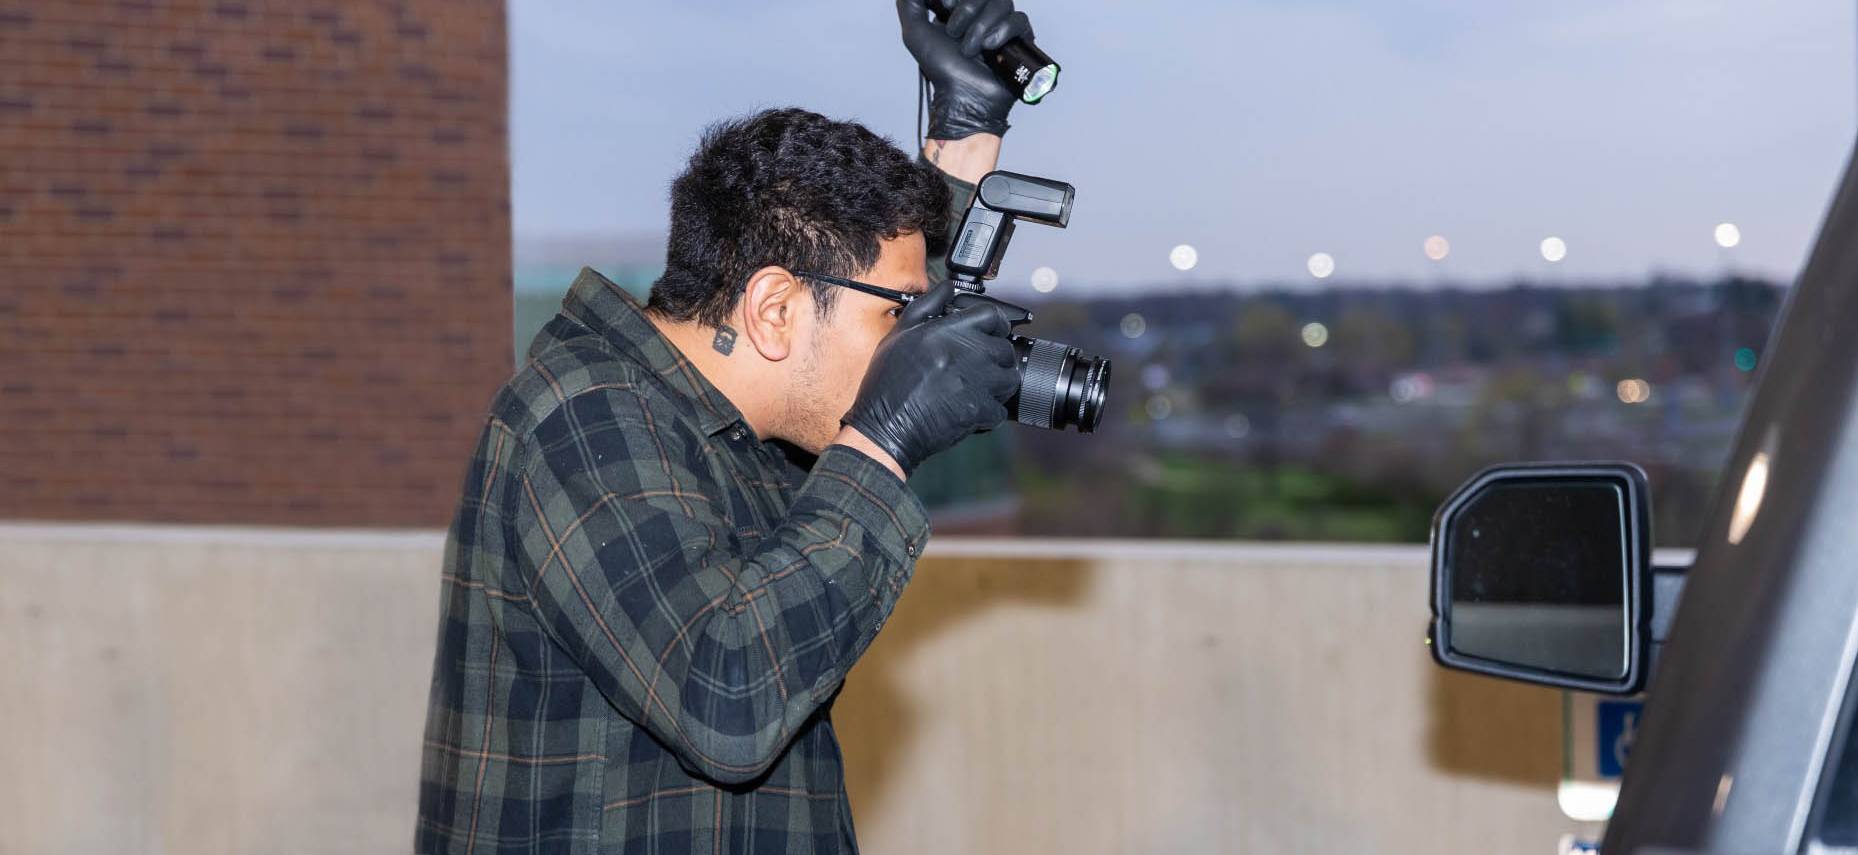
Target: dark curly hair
pixel 792 188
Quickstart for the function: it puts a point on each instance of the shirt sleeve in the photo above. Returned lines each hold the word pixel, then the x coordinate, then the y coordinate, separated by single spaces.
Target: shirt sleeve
pixel 720 650
pixel 960 193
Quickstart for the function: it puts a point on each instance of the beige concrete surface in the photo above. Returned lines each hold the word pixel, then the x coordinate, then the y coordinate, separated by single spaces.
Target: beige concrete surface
pixel 187 690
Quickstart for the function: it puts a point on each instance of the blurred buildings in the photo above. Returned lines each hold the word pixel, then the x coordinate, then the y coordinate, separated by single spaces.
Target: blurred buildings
pixel 1233 418
pixel 1350 411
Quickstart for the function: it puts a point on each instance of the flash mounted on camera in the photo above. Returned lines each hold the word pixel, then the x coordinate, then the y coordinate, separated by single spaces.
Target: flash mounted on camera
pixel 1059 385
pixel 1000 199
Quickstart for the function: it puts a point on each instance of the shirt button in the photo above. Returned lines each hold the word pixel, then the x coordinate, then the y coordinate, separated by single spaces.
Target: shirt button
pixel 736 434
pixel 909 548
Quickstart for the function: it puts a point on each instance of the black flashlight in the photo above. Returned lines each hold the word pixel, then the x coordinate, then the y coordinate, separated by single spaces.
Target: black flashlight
pixel 1019 64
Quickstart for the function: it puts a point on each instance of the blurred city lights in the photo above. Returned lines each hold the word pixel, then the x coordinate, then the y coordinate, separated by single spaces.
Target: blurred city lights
pixel 1585 386
pixel 1634 391
pixel 1554 249
pixel 1154 377
pixel 1159 407
pixel 1238 426
pixel 1437 247
pixel 1746 359
pixel 1134 325
pixel 1184 257
pixel 1315 334
pixel 1044 280
pixel 1727 235
pixel 1408 388
pixel 1322 265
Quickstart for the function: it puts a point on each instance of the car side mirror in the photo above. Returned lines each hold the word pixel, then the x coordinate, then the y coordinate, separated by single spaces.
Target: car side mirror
pixel 1542 573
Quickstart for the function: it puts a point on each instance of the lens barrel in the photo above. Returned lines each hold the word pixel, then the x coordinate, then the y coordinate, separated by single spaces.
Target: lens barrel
pixel 1059 386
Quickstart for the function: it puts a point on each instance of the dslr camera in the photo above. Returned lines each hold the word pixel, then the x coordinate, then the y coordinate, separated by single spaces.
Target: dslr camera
pixel 1059 385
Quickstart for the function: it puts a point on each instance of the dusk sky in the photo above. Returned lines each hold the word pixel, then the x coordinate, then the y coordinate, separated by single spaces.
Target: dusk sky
pixel 1258 132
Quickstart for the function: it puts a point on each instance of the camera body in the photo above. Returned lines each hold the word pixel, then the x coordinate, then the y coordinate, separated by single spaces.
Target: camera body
pixel 1059 385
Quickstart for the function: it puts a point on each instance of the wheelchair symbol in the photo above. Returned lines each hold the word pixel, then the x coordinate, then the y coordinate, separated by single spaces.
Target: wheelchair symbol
pixel 1622 744
pixel 1618 727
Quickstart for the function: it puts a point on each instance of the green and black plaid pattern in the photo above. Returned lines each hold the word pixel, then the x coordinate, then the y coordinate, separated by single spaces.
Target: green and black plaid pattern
pixel 647 612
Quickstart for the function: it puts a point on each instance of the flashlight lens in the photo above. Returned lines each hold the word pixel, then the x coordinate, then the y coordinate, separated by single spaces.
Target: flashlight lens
pixel 1043 81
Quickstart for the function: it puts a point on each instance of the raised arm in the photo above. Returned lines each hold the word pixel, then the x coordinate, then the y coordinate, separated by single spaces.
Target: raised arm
pixel 967 105
pixel 965 159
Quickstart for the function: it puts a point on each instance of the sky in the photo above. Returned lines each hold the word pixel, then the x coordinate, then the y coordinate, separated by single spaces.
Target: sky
pixel 1260 133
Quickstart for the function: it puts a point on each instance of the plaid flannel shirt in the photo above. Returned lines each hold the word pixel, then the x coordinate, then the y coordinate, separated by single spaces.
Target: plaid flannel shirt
pixel 646 612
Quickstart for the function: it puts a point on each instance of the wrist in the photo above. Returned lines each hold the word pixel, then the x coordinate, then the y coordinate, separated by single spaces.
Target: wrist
pixel 852 438
pixel 966 159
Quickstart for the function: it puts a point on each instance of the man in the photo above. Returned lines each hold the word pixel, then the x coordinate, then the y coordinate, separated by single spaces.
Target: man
pixel 685 521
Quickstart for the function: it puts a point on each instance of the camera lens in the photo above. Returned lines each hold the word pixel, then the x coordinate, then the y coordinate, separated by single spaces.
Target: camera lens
pixel 1059 386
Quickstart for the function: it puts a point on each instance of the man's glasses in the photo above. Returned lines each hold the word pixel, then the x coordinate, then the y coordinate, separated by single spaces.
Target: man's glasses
pixel 902 298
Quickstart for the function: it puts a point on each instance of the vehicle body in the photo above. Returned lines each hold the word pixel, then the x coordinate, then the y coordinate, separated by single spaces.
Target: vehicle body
pixel 1745 745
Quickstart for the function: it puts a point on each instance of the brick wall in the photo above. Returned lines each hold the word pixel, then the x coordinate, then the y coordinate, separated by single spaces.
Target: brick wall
pixel 254 257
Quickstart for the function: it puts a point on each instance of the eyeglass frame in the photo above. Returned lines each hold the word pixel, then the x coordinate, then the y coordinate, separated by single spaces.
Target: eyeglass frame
pixel 902 298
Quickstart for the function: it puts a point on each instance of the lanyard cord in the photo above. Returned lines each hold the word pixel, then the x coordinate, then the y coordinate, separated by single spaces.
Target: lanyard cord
pixel 922 99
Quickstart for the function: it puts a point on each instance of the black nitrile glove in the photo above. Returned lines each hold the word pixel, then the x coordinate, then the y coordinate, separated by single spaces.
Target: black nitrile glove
pixel 935 380
pixel 966 98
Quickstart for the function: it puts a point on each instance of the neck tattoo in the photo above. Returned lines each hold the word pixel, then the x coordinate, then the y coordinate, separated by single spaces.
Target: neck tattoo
pixel 724 343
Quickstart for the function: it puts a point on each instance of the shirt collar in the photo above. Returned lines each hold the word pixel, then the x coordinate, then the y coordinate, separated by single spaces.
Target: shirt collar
pixel 604 307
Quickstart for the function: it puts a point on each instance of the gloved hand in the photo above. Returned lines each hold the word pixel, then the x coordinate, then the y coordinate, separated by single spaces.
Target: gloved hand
pixel 935 380
pixel 966 98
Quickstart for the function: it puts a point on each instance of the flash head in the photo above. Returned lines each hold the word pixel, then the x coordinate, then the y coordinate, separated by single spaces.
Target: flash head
pixel 1041 199
pixel 1001 198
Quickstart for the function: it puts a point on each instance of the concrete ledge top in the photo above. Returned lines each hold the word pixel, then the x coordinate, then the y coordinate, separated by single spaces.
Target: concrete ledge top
pixel 941 547
pixel 154 533
pixel 947 547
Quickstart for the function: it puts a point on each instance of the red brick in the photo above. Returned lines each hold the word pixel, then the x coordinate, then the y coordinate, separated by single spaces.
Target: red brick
pixel 233 238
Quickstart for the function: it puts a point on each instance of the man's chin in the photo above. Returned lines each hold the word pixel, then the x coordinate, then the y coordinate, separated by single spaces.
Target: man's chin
pixel 813 444
pixel 816 446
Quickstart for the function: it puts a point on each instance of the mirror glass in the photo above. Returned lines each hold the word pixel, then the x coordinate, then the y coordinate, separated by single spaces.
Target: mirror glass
pixel 1538 572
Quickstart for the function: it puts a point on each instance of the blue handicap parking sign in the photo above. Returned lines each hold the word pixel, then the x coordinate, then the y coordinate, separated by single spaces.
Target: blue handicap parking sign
pixel 1618 725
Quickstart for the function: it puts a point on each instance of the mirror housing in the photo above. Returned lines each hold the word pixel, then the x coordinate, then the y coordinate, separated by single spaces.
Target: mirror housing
pixel 1555 559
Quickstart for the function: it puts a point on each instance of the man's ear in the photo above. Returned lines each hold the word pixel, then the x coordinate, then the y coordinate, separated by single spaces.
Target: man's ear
pixel 771 309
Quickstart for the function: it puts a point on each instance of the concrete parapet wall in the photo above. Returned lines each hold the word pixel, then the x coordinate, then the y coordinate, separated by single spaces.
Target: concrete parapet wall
pixel 196 690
